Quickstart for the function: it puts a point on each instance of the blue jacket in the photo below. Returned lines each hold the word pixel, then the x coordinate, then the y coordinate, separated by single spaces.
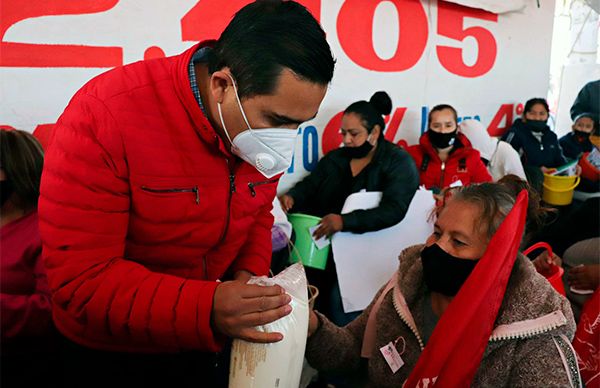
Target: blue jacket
pixel 573 148
pixel 533 152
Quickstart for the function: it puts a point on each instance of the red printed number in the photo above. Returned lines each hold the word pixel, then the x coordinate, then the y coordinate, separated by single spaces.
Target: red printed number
pixel 208 18
pixel 503 116
pixel 355 32
pixel 450 24
pixel 332 137
pixel 53 55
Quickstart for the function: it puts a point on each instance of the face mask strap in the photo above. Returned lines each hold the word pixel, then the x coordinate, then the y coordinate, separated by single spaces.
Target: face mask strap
pixel 223 124
pixel 237 97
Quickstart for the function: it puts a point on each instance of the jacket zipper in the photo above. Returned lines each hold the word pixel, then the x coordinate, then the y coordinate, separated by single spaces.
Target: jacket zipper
pixel 559 320
pixel 231 191
pixel 252 185
pixel 166 191
pixel 405 320
pixel 552 321
pixel 442 175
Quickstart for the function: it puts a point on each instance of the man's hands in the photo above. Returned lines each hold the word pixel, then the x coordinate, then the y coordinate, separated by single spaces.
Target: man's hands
pixel 330 224
pixel 239 307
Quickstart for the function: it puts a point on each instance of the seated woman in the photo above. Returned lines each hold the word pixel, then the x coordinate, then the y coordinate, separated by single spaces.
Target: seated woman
pixel 27 330
pixel 532 138
pixel 366 161
pixel 499 157
pixel 578 142
pixel 465 309
pixel 444 156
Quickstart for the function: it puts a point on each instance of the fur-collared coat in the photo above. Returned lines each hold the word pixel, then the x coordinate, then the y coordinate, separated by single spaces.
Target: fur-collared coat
pixel 529 347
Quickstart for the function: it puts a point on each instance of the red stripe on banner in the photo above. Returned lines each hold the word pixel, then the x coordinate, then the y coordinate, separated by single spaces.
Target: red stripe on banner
pixel 58 55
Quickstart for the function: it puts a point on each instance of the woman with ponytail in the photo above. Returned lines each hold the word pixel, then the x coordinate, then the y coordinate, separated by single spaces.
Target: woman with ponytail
pixel 366 161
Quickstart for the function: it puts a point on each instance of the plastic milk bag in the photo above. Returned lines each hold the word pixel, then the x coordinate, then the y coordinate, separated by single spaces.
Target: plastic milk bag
pixel 276 365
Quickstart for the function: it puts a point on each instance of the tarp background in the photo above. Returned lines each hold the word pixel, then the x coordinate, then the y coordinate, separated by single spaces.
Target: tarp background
pixel 421 52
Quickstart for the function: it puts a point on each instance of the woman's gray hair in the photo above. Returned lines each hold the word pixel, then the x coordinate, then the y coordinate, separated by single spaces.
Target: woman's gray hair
pixel 495 201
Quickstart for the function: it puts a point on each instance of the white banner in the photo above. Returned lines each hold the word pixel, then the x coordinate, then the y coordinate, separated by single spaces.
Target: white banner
pixel 421 53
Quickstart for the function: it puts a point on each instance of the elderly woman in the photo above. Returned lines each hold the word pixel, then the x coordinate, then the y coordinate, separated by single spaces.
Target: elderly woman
pixel 465 309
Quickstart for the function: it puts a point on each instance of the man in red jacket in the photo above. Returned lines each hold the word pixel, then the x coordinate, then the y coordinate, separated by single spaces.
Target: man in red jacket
pixel 156 197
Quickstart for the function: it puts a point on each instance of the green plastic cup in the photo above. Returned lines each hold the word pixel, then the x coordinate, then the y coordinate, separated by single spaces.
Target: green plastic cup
pixel 305 249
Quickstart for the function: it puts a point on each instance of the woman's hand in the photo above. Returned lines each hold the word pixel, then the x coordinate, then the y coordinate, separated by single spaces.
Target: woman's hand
pixel 330 224
pixel 584 277
pixel 547 170
pixel 313 323
pixel 543 262
pixel 287 202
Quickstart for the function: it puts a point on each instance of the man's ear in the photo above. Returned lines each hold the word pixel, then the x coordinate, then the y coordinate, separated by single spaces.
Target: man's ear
pixel 220 81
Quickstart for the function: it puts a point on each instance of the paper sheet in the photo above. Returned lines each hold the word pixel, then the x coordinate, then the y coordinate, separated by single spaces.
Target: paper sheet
pixel 365 262
pixel 320 243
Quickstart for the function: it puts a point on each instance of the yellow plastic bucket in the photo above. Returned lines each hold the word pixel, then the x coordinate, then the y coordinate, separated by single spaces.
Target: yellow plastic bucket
pixel 305 249
pixel 558 190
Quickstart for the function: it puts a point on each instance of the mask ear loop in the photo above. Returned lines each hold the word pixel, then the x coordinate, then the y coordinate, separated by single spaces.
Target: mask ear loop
pixel 237 97
pixel 233 146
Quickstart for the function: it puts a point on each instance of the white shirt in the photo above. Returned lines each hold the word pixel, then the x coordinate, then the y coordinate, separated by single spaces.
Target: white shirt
pixel 281 218
pixel 505 160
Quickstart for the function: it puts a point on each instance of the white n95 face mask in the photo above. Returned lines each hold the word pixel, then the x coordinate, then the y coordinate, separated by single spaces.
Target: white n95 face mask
pixel 269 150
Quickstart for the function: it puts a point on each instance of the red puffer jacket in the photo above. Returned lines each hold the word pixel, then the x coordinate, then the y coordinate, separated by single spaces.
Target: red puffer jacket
pixel 463 164
pixel 142 209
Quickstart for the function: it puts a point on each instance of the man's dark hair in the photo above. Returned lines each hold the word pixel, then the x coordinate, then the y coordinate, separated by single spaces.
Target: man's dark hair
pixel 22 159
pixel 267 36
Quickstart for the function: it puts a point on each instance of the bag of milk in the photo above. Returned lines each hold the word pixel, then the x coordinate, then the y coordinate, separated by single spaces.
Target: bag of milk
pixel 276 365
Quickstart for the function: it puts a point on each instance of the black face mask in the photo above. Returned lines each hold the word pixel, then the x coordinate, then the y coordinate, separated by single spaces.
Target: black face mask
pixel 581 136
pixel 536 125
pixel 441 140
pixel 443 272
pixel 6 191
pixel 358 152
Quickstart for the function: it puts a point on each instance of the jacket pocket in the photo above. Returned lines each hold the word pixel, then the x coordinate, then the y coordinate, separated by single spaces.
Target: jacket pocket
pixel 254 185
pixel 193 190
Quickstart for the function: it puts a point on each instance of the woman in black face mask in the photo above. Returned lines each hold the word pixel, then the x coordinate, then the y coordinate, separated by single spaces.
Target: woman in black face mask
pixel 532 138
pixel 444 156
pixel 366 161
pixel 436 311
